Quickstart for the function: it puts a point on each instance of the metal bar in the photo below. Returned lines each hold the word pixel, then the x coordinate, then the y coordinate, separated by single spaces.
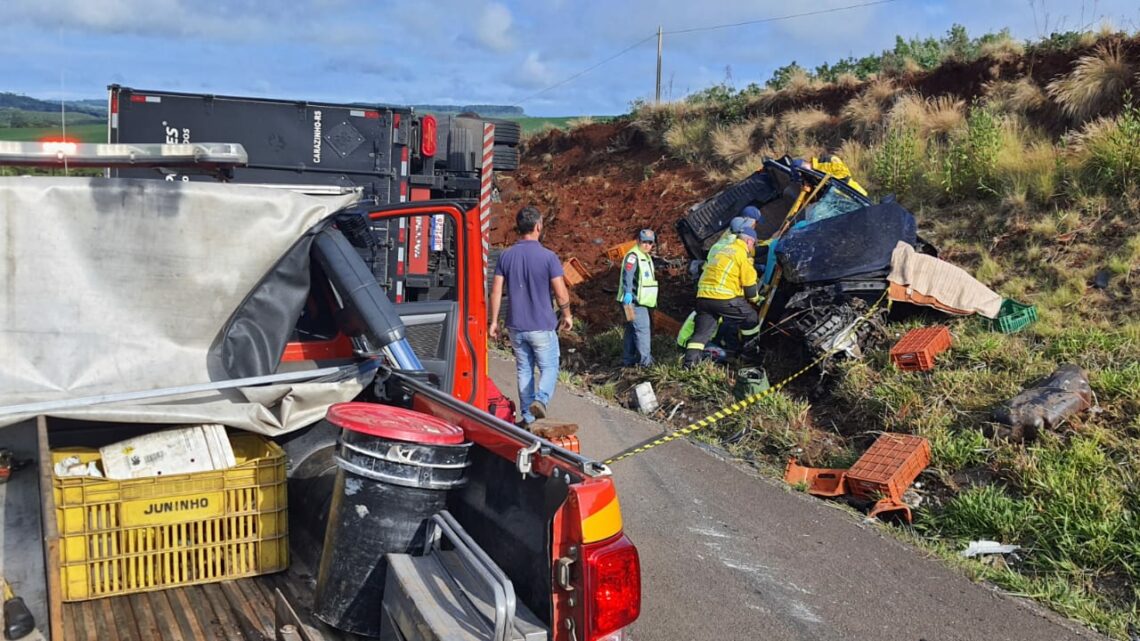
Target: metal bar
pixel 589 467
pixel 485 559
pixel 477 560
pixel 68 403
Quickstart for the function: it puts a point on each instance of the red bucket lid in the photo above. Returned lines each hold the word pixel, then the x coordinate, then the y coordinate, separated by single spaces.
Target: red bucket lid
pixel 396 423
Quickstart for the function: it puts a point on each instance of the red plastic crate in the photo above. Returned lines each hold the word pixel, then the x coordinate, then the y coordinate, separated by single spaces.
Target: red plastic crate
pixel 889 467
pixel 917 349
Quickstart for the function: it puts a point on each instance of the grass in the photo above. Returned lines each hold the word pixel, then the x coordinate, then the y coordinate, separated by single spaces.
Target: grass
pixel 1096 84
pixel 92 132
pixel 536 124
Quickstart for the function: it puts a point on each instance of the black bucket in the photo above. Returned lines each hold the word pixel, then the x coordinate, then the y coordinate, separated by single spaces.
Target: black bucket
pixel 395 467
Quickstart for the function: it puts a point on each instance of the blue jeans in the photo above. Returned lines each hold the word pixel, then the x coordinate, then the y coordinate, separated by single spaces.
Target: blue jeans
pixel 535 349
pixel 636 348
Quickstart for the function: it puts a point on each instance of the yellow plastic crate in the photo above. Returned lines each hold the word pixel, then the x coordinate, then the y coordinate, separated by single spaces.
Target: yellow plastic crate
pixel 123 537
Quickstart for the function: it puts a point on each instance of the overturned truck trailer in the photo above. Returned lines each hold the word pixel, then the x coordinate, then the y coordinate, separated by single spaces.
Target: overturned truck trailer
pixel 827 255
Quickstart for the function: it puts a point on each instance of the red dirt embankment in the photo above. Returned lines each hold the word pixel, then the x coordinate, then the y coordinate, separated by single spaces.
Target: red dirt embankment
pixel 597 186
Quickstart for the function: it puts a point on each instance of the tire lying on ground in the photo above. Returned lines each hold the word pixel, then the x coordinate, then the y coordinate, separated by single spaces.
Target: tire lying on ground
pixel 507 132
pixel 506 158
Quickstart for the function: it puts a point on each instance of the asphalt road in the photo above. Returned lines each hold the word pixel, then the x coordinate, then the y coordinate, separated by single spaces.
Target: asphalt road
pixel 728 556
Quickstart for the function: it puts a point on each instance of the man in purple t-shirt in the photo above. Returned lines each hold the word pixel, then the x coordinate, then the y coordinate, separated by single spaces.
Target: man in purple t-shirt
pixel 530 272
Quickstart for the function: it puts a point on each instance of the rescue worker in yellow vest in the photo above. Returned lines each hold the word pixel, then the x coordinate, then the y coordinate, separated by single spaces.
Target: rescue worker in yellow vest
pixel 749 217
pixel 728 290
pixel 637 290
pixel 835 166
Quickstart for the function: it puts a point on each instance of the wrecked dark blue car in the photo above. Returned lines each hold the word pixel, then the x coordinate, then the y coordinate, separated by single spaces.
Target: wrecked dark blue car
pixel 828 255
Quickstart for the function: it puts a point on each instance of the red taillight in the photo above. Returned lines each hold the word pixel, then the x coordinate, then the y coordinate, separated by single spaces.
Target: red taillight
pixel 613 586
pixel 115 103
pixel 427 136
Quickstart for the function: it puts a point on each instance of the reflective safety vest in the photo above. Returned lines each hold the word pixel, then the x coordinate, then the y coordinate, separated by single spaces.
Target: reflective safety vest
pixel 727 273
pixel 725 240
pixel 835 166
pixel 645 281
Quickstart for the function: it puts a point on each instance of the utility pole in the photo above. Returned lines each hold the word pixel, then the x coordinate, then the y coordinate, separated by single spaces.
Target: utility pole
pixel 657 100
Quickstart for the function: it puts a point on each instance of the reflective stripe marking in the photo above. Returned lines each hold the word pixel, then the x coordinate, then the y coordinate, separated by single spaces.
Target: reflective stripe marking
pixel 486 172
pixel 602 524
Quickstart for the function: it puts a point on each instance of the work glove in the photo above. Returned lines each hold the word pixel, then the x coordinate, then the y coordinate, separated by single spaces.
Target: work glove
pixel 627 298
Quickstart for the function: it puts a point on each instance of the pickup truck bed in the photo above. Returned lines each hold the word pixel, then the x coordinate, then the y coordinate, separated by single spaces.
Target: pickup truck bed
pixel 211 612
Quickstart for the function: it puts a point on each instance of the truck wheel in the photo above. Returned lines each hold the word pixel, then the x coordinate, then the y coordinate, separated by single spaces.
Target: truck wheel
pixel 506 158
pixel 507 132
pixel 461 150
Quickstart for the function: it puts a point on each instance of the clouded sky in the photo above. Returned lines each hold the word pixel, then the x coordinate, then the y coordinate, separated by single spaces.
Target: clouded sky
pixel 470 51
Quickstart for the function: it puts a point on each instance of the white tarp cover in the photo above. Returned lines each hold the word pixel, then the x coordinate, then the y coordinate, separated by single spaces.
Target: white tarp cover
pixel 113 286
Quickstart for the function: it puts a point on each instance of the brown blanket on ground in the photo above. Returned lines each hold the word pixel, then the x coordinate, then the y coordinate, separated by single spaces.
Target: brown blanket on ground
pixel 925 280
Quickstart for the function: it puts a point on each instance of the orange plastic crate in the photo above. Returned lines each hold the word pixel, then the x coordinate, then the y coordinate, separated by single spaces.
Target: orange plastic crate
pixel 575 272
pixel 889 467
pixel 568 443
pixel 917 349
pixel 617 252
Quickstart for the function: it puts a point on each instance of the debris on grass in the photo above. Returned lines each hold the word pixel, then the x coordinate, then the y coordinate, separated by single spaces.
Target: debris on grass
pixel 979 548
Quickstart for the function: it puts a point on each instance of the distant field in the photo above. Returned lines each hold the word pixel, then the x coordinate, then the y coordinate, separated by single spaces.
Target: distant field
pixel 94 132
pixel 533 124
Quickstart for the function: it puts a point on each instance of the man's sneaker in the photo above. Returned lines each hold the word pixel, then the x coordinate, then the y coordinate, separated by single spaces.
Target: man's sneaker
pixel 538 409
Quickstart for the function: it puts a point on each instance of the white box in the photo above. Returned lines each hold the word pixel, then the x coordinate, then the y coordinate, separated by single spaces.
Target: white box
pixel 196 448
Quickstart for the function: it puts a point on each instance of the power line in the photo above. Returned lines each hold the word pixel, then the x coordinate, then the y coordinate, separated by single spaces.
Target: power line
pixel 591 68
pixel 696 29
pixel 779 18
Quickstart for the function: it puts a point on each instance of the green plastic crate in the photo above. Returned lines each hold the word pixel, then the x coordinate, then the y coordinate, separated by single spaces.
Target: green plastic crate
pixel 1014 317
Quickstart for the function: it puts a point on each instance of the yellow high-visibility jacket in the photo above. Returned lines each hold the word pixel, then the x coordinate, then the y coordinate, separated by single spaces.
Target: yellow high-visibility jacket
pixel 835 166
pixel 728 273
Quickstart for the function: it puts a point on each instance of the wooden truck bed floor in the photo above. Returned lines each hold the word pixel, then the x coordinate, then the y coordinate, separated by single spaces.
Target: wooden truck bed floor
pixel 239 610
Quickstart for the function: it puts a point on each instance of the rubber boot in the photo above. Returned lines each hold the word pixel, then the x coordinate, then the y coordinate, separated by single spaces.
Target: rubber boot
pixel 692 357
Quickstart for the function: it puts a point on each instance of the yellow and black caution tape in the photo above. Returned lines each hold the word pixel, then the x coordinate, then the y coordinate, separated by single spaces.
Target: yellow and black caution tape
pixel 744 403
